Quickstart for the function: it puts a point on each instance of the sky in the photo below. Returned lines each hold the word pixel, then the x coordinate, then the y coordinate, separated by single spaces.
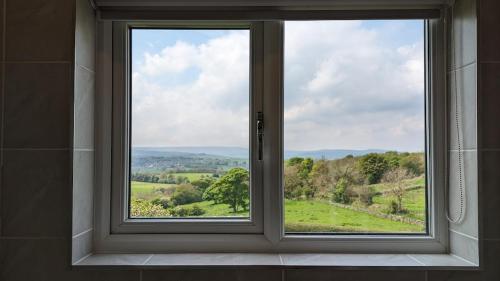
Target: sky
pixel 348 85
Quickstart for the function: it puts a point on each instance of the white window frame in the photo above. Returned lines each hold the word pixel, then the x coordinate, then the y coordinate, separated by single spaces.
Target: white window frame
pixel 265 231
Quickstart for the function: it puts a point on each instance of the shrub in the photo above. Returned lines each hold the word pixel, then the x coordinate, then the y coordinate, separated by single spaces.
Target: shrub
pixel 365 195
pixel 182 211
pixel 163 202
pixel 186 194
pixel 393 207
pixel 144 209
pixel 373 166
pixel 340 193
pixel 414 164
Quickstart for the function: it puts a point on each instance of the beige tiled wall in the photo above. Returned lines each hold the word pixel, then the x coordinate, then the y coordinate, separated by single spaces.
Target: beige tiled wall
pixel 40 106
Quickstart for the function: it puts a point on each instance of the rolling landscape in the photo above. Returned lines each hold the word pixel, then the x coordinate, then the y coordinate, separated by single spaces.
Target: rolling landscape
pixel 325 191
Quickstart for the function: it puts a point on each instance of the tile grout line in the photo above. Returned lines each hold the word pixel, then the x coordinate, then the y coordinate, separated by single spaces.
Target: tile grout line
pixel 450 71
pixel 148 259
pixel 2 107
pixel 38 62
pixel 462 259
pixel 463 234
pixel 415 260
pixel 82 233
pixel 83 258
pixel 36 149
pixel 85 68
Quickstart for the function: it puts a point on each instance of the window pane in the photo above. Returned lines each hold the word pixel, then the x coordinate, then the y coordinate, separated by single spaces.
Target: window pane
pixel 190 123
pixel 354 129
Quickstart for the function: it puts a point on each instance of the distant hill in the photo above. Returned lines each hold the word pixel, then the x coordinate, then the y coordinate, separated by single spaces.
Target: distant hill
pixel 329 154
pixel 239 152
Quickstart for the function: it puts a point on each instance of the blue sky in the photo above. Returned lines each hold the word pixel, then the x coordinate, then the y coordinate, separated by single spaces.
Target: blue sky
pixel 348 85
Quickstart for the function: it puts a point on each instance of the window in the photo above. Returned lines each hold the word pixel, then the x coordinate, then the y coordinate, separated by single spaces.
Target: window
pixel 354 127
pixel 272 136
pixel 190 123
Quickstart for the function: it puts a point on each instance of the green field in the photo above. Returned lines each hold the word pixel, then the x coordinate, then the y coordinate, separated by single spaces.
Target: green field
pixel 319 216
pixel 314 215
pixel 413 202
pixel 148 191
pixel 191 176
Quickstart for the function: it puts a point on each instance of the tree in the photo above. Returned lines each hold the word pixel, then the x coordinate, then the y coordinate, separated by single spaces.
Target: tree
pixel 293 182
pixel 395 178
pixel 340 194
pixel 203 183
pixel 373 166
pixel 185 194
pixel 414 163
pixel 231 188
pixel 320 179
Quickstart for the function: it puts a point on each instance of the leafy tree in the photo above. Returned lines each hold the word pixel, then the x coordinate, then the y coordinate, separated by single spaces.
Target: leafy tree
pixel 414 163
pixel 181 180
pixel 293 182
pixel 373 166
pixel 320 179
pixel 392 158
pixel 186 194
pixel 231 189
pixel 304 166
pixel 340 194
pixel 203 183
pixel 395 178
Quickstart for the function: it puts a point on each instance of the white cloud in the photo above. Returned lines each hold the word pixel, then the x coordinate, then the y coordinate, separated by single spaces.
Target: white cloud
pixel 346 87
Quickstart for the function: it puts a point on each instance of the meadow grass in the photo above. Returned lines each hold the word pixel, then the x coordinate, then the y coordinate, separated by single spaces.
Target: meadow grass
pixel 148 190
pixel 413 202
pixel 192 176
pixel 321 216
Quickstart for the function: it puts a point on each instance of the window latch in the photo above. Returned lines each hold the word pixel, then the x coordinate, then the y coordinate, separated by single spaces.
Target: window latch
pixel 260 132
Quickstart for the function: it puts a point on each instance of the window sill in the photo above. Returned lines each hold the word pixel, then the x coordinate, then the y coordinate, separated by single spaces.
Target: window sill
pixel 222 260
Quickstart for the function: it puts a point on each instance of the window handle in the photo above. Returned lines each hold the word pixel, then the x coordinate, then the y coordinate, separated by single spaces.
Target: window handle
pixel 260 132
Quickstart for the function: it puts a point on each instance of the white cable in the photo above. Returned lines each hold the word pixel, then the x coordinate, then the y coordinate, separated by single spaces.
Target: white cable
pixel 458 108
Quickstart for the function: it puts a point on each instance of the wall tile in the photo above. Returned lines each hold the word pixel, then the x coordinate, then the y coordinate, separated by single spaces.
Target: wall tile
pixel 48 260
pixel 347 260
pixel 35 193
pixel 352 275
pixel 490 194
pixel 37 105
pixel 220 259
pixel 489 24
pixel 213 275
pixel 464 247
pixel 466 90
pixel 84 108
pixel 489 103
pixel 115 259
pixel 81 246
pixel 490 270
pixel 40 30
pixel 465 32
pixel 85 34
pixel 83 196
pixel 469 225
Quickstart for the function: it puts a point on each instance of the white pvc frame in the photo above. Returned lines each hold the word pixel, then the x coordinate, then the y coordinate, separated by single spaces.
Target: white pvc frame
pixel 115 233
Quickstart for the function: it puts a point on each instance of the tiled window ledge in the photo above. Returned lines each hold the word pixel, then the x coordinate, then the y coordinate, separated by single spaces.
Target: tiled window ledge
pixel 382 261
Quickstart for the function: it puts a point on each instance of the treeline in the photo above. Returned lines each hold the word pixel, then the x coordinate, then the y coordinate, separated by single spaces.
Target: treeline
pixel 306 178
pixel 165 177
